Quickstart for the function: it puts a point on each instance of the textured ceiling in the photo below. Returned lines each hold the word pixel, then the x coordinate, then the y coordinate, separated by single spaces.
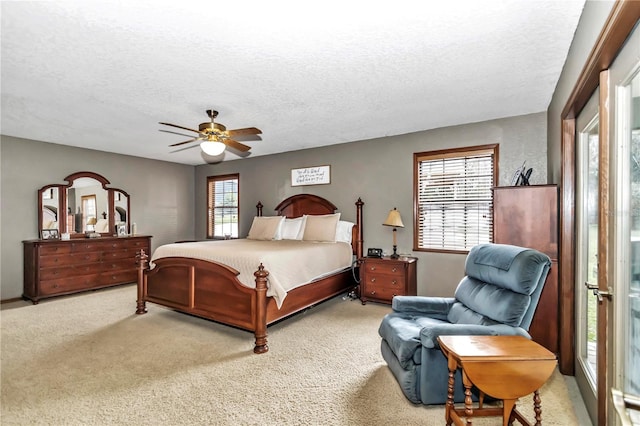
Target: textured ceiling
pixel 101 75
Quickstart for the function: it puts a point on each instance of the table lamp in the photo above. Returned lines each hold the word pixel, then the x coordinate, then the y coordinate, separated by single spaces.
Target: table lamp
pixel 394 219
pixel 91 223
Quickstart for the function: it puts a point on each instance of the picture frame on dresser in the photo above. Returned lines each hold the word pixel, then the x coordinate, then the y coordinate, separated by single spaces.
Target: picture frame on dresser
pixel 49 234
pixel 122 230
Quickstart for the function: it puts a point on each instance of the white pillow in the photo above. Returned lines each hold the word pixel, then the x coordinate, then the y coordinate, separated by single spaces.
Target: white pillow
pixel 293 229
pixel 102 225
pixel 321 227
pixel 343 231
pixel 265 227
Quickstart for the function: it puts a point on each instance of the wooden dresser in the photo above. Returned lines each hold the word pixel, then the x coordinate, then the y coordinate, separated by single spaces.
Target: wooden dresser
pixel 383 278
pixel 56 267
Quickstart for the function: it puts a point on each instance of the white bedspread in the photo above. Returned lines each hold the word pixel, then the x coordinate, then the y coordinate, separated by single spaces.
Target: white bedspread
pixel 290 263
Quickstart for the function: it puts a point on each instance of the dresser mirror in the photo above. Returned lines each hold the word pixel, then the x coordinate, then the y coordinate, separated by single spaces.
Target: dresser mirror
pixel 84 205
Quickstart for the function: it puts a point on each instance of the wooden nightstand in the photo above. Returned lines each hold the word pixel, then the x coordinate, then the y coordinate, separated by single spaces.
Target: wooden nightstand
pixel 383 278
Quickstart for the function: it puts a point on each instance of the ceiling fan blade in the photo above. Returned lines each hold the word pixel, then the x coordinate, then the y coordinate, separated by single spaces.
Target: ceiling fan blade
pixel 182 143
pixel 245 131
pixel 180 127
pixel 175 133
pixel 236 145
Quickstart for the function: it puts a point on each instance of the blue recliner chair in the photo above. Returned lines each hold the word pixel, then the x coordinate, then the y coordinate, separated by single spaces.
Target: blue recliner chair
pixel 498 296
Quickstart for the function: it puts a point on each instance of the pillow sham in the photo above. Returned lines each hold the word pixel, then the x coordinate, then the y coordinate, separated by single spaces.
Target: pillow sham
pixel 293 229
pixel 265 227
pixel 321 227
pixel 343 231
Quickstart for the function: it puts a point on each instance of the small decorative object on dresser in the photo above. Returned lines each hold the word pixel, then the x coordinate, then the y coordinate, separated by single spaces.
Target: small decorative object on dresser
pixel 383 278
pixel 49 234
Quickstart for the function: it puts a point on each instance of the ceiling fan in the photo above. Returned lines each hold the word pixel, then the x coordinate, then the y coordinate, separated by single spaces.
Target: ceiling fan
pixel 215 137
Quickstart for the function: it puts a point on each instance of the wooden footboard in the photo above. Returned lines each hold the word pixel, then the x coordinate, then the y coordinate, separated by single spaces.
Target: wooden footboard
pixel 212 290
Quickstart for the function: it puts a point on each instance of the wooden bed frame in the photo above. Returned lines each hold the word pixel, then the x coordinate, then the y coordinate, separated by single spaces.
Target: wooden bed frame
pixel 211 290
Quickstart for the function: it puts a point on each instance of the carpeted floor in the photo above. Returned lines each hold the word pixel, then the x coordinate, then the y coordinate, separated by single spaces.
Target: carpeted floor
pixel 88 359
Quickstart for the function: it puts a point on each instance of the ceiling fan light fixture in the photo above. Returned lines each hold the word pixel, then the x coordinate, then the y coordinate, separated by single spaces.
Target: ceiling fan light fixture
pixel 212 147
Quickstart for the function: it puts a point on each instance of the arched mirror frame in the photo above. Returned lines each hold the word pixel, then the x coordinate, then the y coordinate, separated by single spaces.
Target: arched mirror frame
pixel 62 203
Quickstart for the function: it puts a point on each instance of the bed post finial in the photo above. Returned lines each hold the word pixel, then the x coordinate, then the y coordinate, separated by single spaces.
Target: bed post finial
pixel 359 239
pixel 142 261
pixel 261 310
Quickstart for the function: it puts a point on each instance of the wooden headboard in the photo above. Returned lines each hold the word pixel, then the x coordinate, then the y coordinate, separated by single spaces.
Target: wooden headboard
pixel 301 204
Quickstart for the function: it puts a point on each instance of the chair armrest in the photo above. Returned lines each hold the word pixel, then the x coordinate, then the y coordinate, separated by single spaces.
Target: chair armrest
pixel 435 307
pixel 429 335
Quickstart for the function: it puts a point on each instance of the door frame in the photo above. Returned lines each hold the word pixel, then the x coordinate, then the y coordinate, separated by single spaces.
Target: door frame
pixel 619 25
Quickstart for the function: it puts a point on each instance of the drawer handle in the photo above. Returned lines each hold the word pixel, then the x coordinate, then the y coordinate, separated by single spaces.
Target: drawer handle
pixel 394 282
pixel 394 269
pixel 372 268
pixel 373 292
pixel 373 280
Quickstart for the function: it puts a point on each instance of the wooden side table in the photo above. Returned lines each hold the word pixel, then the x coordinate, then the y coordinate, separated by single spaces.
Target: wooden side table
pixel 504 367
pixel 383 278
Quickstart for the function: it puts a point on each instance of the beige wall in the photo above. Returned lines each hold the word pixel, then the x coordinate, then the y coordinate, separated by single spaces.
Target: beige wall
pixel 592 20
pixel 380 171
pixel 162 195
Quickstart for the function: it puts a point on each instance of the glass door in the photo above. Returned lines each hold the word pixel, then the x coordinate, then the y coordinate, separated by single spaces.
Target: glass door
pixel 587 227
pixel 624 333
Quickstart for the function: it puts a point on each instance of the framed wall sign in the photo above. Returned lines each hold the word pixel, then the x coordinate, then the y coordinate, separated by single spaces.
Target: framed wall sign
pixel 318 175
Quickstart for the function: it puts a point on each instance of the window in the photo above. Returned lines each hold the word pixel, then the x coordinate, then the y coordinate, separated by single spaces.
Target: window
pixel 89 215
pixel 222 206
pixel 453 198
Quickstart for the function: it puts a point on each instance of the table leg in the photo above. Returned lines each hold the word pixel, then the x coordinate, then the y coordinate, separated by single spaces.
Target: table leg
pixel 452 365
pixel 507 409
pixel 468 402
pixel 537 408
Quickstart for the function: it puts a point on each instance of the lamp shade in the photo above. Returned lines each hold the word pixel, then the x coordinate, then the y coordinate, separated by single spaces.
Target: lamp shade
pixel 394 219
pixel 92 221
pixel 212 147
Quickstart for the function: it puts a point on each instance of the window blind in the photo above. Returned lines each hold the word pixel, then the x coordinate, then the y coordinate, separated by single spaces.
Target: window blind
pixel 454 199
pixel 222 206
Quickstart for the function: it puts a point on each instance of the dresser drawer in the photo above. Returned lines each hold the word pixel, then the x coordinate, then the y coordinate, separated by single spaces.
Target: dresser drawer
pixel 50 249
pixel 70 259
pixel 119 264
pixel 137 244
pixel 120 254
pixel 64 285
pixel 118 277
pixel 71 271
pixel 87 245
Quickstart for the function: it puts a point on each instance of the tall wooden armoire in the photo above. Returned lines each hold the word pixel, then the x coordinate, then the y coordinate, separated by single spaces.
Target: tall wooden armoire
pixel 527 216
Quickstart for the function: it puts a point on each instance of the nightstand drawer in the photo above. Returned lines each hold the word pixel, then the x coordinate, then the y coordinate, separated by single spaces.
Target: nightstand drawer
pixel 378 279
pixel 385 268
pixel 384 291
